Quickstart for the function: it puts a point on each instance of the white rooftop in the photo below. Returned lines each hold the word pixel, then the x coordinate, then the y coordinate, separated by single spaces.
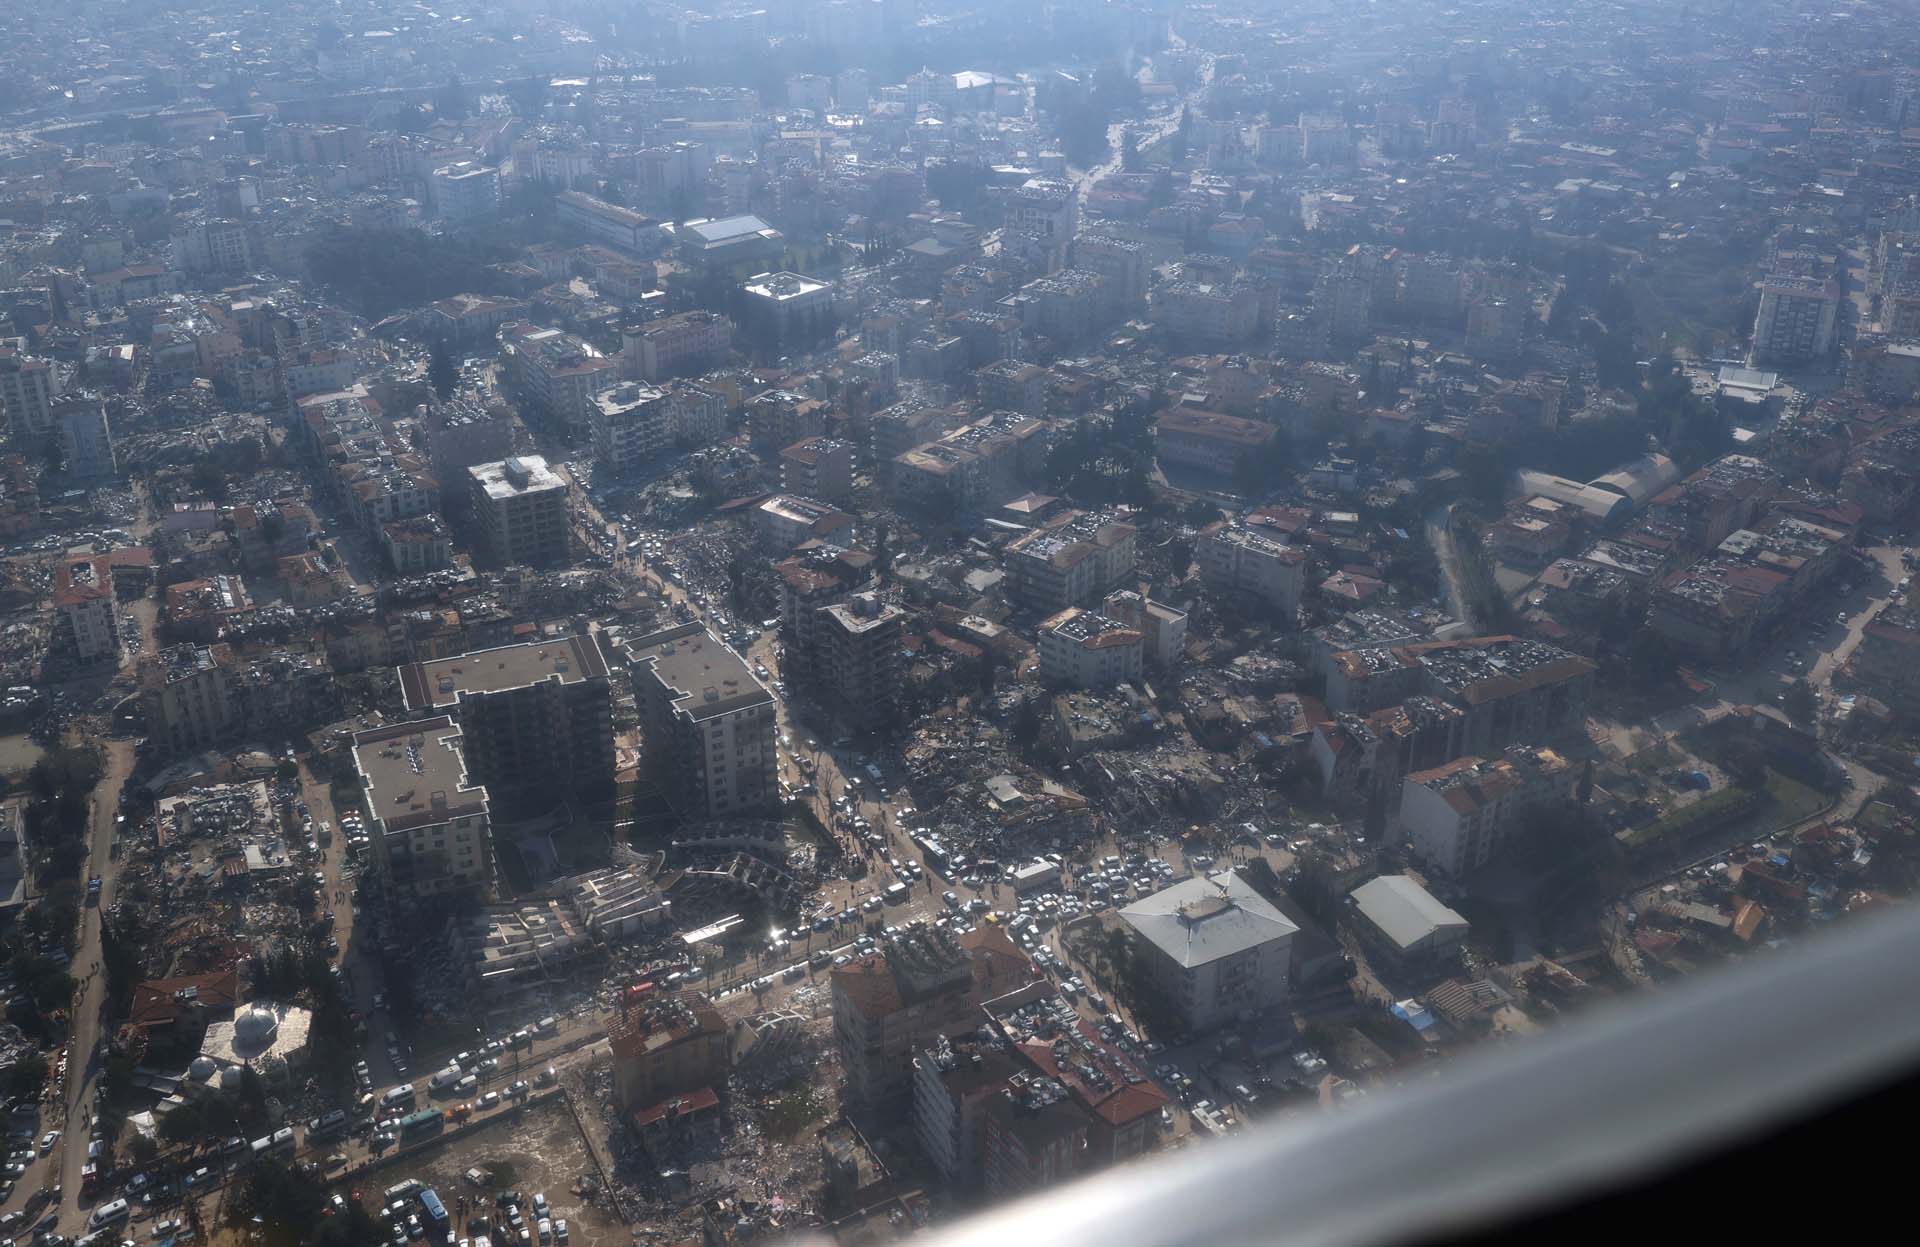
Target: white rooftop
pixel 1202 920
pixel 1403 910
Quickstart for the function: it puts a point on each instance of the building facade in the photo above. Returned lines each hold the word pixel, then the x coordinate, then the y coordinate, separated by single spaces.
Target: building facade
pixel 1214 948
pixel 429 822
pixel 520 505
pixel 708 725
pixel 537 718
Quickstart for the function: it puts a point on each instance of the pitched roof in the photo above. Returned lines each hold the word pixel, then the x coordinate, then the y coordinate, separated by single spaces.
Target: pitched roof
pixel 1403 910
pixel 1201 920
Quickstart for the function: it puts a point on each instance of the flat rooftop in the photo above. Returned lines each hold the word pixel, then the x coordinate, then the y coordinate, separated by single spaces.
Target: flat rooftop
pixel 783 286
pixel 522 474
pixel 437 685
pixel 415 774
pixel 704 677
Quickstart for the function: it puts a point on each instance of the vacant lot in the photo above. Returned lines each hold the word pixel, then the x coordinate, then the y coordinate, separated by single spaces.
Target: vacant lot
pixel 539 1151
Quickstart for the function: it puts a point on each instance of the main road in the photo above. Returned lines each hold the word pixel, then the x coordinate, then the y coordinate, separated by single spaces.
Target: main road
pixel 84 1066
pixel 1439 524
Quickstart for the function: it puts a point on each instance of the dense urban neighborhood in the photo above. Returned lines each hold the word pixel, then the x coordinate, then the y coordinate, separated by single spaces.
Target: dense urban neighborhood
pixel 700 624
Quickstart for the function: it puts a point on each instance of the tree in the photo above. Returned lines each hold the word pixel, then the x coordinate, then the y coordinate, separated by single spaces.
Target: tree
pixel 1179 556
pixel 183 1124
pixel 1025 730
pixel 26 1077
pixel 453 101
pixel 441 373
pixel 280 1196
pixel 1651 658
pixel 1200 513
pixel 209 480
pixel 1802 704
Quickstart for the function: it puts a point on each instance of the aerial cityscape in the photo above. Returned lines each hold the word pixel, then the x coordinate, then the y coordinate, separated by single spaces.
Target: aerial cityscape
pixel 644 623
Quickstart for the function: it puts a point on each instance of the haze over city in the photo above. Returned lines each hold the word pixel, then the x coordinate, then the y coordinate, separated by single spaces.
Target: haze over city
pixel 635 623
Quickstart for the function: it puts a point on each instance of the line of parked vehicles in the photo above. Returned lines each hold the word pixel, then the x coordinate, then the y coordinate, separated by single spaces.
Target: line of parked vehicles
pixel 415 1212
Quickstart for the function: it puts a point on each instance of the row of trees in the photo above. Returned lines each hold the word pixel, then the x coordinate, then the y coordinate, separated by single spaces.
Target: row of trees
pixel 382 271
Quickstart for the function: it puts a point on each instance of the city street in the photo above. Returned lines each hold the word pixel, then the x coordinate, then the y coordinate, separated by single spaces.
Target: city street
pixel 84 1067
pixel 1822 643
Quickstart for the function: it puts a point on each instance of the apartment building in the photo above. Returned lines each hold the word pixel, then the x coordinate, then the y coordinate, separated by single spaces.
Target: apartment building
pixel 787 308
pixel 858 661
pixel 1073 560
pixel 817 577
pixel 666 1043
pixel 558 375
pixel 1458 817
pixel 1510 689
pixel 1206 313
pixel 671 169
pixel 1008 385
pixel 779 418
pixel 1214 948
pixel 953 1082
pixel 86 439
pixel 466 192
pixel 418 545
pixel 818 467
pixel 921 984
pixel 459 434
pixel 1236 559
pixel 1123 267
pixel 88 613
pixel 1034 1137
pixel 429 822
pixel 1210 440
pixel 184 697
pixel 631 425
pixel 537 717
pixel 784 521
pixel 1887 660
pixel 1797 320
pixel 690 342
pixel 1163 628
pixel 598 221
pixel 1046 212
pixel 520 505
pixel 1082 649
pixel 708 725
pixel 28 386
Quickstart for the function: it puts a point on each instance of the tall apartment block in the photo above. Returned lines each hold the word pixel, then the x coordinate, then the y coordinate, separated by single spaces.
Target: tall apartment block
pixel 1797 320
pixel 858 659
pixel 429 822
pixel 86 440
pixel 1071 561
pixel 1239 560
pixel 707 724
pixel 534 716
pixel 632 423
pixel 28 386
pixel 520 505
pixel 459 434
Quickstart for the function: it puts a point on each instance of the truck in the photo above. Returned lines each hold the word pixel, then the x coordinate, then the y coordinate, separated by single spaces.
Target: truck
pixel 1038 873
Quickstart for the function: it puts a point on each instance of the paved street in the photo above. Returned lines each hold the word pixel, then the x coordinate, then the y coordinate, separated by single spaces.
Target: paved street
pixel 84 1067
pixel 1822 643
